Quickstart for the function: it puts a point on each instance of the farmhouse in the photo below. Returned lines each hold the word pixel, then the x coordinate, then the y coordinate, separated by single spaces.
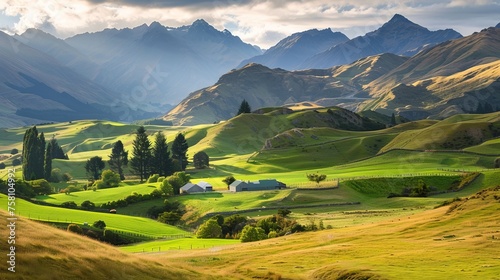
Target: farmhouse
pixel 261 185
pixel 196 188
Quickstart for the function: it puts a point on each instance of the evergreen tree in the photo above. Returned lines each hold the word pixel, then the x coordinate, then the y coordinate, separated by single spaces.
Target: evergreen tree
pixel 48 162
pixel 141 154
pixel 244 108
pixel 161 163
pixel 57 151
pixel 179 151
pixel 41 157
pixel 33 154
pixel 393 120
pixel 118 158
pixel 94 167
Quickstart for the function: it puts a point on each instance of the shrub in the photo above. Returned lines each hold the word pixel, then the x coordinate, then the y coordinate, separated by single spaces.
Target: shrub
pixel 87 205
pixel 497 163
pixel 156 193
pixel 161 178
pixel 2 165
pixel 166 188
pixel 100 184
pixel 14 151
pixel 69 204
pixel 41 186
pixel 209 229
pixel 170 218
pixel 16 162
pixel 110 178
pixel 56 175
pixel 272 234
pixel 251 233
pixel 66 177
pixel 153 178
pixel 99 224
pixel 75 228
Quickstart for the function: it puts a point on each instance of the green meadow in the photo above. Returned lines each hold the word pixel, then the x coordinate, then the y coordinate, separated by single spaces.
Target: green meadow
pixel 129 224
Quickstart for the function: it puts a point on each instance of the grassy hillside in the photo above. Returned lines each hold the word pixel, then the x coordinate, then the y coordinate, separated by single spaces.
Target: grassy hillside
pixel 461 243
pixel 118 222
pixel 44 252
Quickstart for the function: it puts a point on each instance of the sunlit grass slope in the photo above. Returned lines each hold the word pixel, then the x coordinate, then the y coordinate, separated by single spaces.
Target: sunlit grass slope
pixel 460 241
pixel 44 252
pixel 119 222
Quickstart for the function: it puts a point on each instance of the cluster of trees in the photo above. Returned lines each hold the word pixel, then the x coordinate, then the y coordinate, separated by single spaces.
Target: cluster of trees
pixel 36 158
pixel 170 212
pixel 239 227
pixel 244 108
pixel 147 160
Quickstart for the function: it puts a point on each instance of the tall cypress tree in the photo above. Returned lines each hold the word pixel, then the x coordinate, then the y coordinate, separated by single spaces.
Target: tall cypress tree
pixel 162 163
pixel 48 161
pixel 179 150
pixel 33 154
pixel 141 154
pixel 118 158
pixel 40 171
pixel 30 140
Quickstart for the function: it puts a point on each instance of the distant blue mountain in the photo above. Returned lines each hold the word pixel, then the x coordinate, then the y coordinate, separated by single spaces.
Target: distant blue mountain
pixel 157 65
pixel 292 51
pixel 398 36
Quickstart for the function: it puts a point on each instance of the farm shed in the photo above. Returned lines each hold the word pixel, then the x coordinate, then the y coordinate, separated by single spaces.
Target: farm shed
pixel 261 185
pixel 196 188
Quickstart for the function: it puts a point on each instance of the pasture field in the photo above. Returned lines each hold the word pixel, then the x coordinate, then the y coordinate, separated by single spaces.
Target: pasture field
pixel 101 196
pixel 118 222
pixel 211 244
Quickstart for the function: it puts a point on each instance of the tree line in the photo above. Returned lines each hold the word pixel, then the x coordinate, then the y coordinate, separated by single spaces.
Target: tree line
pixel 147 159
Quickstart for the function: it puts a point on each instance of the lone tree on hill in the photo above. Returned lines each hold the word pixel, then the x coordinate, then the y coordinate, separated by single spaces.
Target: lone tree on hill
pixel 161 162
pixel 94 167
pixel 316 177
pixel 141 154
pixel 179 151
pixel 228 181
pixel 118 159
pixel 244 108
pixel 33 154
pixel 201 160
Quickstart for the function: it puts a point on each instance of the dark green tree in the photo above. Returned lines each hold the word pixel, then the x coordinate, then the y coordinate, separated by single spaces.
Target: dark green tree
pixel 179 151
pixel 57 151
pixel 141 154
pixel 118 159
pixel 316 177
pixel 201 160
pixel 94 167
pixel 393 120
pixel 229 180
pixel 33 154
pixel 99 224
pixel 244 108
pixel 14 151
pixel 161 162
pixel 2 165
pixel 48 162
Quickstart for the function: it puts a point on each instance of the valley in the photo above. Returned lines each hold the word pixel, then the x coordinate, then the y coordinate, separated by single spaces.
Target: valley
pixel 364 167
pixel 177 149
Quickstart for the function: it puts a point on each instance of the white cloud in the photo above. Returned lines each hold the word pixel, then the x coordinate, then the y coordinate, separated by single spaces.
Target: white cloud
pixel 261 22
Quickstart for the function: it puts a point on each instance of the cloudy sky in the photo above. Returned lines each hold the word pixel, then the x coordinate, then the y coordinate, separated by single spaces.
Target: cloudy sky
pixel 260 22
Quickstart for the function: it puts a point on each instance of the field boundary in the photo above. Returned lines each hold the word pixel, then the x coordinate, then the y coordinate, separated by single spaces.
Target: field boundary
pixel 233 212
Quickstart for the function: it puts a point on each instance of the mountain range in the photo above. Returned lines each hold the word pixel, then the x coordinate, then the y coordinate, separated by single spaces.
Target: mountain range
pixel 452 77
pixel 315 49
pixel 142 72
